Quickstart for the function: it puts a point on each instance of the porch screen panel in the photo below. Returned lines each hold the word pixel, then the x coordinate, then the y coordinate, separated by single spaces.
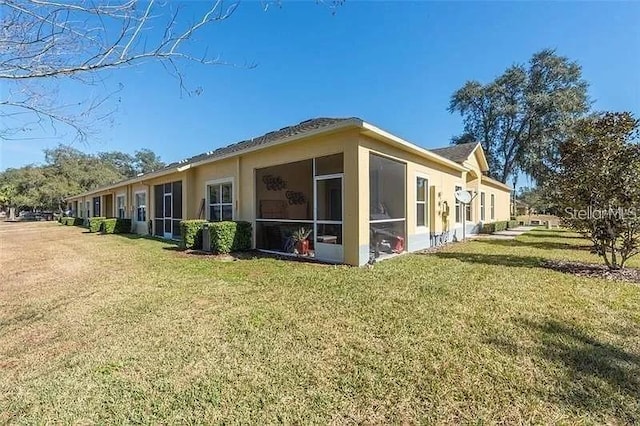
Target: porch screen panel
pixel 158 198
pixel 176 191
pixel 284 204
pixel 387 210
pixel 96 206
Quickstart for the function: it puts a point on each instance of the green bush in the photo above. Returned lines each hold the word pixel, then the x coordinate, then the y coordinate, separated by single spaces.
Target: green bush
pixel 512 224
pixel 227 237
pixel 116 226
pixel 95 223
pixel 191 233
pixel 243 237
pixel 71 221
pixel 490 228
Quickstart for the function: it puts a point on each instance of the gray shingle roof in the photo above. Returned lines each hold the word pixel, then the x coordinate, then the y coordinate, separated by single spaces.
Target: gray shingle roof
pixel 285 132
pixel 457 153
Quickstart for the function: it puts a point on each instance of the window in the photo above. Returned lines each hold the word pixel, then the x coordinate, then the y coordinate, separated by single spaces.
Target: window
pixel 141 207
pixel 220 199
pixel 120 207
pixel 468 212
pixel 482 205
pixel 88 209
pixel 493 207
pixel 96 206
pixel 422 214
pixel 458 207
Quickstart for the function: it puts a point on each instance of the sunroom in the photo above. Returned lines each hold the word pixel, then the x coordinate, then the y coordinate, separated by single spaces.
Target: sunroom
pixel 298 201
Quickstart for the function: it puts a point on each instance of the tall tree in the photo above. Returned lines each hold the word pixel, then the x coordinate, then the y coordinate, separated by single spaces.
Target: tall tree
pixel 521 116
pixel 147 161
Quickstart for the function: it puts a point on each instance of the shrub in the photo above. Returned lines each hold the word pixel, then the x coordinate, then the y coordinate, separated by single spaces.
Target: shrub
pixel 95 223
pixel 116 226
pixel 490 228
pixel 230 236
pixel 191 233
pixel 71 221
pixel 512 224
pixel 108 226
pixel 243 237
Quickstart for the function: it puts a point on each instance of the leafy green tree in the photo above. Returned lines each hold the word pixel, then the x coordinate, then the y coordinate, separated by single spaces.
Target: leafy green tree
pixel 68 171
pixel 596 182
pixel 147 161
pixel 120 161
pixel 522 116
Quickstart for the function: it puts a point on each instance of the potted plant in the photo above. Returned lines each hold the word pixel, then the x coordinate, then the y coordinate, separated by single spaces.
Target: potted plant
pixel 300 238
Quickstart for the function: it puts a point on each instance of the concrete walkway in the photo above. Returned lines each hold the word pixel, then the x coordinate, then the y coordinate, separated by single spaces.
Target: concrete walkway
pixel 509 234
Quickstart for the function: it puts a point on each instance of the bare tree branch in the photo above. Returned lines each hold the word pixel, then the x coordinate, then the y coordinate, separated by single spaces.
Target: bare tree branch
pixel 43 41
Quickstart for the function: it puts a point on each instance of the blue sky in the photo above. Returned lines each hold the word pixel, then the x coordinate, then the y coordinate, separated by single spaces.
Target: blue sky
pixel 394 64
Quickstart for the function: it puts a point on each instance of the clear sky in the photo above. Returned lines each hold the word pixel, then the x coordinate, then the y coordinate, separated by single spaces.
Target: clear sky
pixel 394 64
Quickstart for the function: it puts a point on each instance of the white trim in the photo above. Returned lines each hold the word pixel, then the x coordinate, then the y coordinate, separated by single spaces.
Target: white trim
pixel 387 220
pixel 220 181
pixel 408 146
pixel 285 220
pixel 427 202
pixel 330 252
pixel 457 203
pixel 332 176
pixel 146 206
pixel 492 206
pixel 124 204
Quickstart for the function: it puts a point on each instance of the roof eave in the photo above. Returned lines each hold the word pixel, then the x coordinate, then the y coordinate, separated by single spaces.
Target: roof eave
pixel 371 130
pixel 342 125
pixel 494 182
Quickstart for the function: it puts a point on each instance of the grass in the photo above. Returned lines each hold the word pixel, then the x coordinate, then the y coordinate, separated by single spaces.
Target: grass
pixel 110 329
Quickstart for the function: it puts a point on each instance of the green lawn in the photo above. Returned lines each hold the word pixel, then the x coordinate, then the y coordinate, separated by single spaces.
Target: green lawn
pixel 138 332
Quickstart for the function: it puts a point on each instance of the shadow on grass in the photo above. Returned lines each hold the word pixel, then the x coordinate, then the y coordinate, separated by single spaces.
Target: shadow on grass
pixel 492 259
pixel 544 245
pixel 147 237
pixel 557 234
pixel 595 376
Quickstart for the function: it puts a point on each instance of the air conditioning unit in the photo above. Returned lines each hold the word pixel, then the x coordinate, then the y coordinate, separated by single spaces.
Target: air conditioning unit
pixel 206 237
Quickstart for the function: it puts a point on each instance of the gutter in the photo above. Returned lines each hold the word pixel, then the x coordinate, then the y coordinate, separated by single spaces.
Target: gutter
pixel 371 130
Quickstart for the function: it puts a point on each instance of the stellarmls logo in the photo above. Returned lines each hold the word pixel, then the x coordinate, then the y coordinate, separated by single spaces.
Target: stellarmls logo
pixel 619 213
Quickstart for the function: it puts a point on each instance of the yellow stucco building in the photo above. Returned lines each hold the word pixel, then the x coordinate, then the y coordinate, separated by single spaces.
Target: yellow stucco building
pixel 362 192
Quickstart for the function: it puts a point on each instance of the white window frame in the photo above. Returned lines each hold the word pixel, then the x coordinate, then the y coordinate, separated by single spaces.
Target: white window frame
pixel 468 208
pixel 458 211
pixel 493 206
pixel 208 204
pixel 423 229
pixel 144 206
pixel 483 202
pixel 124 205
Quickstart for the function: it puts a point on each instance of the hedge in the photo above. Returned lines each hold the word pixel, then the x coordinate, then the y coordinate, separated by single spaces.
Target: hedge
pixel 512 224
pixel 191 233
pixel 116 226
pixel 490 228
pixel 95 223
pixel 227 237
pixel 71 221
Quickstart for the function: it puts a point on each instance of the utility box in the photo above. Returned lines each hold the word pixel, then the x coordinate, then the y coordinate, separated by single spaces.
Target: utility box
pixel 206 237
